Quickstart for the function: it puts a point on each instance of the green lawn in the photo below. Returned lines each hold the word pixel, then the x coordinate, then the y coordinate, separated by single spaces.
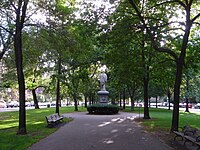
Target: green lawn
pixel 36 127
pixel 36 124
pixel 161 119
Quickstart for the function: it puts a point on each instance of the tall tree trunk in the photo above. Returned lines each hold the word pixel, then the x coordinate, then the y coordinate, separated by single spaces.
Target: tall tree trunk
pixel 124 99
pixel 149 102
pixel 169 98
pixel 20 17
pixel 120 100
pixel 132 95
pixel 75 102
pixel 58 86
pixel 85 100
pixel 21 82
pixel 187 94
pixel 175 116
pixel 145 83
pixel 146 108
pixel 89 99
pixel 179 69
pixel 35 99
pixel 156 101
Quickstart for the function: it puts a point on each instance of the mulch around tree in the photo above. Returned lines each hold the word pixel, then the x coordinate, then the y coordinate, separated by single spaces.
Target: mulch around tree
pixel 167 137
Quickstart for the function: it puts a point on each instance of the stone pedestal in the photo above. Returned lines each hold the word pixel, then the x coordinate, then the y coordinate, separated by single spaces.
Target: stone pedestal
pixel 103 96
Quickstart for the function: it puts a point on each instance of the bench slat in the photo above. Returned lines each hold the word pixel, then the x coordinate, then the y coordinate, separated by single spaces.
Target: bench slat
pixel 190 134
pixel 53 119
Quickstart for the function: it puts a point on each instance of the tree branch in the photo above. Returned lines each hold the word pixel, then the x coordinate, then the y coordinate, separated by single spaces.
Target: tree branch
pixel 166 2
pixel 11 3
pixel 190 3
pixel 24 8
pixel 197 16
pixel 181 3
pixel 152 38
pixel 7 30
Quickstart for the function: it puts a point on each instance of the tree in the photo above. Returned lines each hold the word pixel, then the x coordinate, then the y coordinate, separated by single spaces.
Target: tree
pixel 130 58
pixel 20 10
pixel 59 16
pixel 153 26
pixel 34 49
pixel 191 69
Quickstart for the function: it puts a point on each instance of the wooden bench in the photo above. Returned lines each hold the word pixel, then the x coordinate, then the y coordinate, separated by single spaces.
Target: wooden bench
pixel 194 139
pixel 189 134
pixel 53 119
pixel 186 130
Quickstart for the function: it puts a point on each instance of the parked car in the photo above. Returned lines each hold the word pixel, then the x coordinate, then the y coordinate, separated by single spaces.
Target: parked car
pixel 189 105
pixel 171 105
pixel 183 105
pixel 27 104
pixel 197 106
pixel 13 104
pixel 2 104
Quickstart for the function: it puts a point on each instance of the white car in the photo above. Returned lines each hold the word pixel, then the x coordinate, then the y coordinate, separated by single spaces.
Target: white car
pixel 13 104
pixel 197 106
pixel 2 104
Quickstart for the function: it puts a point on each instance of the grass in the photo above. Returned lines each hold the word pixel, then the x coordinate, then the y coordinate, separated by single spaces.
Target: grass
pixel 36 124
pixel 161 119
pixel 36 127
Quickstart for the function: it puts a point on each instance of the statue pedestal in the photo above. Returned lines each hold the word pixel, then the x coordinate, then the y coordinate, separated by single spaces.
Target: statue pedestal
pixel 103 96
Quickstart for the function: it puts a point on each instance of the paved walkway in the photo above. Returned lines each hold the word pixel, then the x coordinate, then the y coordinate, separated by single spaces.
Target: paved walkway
pixel 100 132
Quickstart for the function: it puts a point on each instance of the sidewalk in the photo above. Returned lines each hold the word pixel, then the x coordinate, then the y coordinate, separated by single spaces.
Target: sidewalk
pixel 100 132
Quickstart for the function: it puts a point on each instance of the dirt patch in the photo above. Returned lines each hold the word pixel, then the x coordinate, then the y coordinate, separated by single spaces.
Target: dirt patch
pixel 168 138
pixel 164 136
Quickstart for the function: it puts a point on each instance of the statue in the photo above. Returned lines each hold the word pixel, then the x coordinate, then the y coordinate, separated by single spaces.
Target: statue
pixel 103 80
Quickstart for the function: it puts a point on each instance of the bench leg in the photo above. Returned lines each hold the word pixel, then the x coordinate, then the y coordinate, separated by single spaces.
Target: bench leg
pixel 177 136
pixel 50 125
pixel 189 141
pixel 198 147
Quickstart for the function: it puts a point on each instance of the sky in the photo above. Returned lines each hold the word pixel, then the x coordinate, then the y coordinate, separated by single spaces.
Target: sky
pixel 39 17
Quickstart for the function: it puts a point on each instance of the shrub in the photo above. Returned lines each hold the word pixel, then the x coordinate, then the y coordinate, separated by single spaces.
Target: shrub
pixel 106 109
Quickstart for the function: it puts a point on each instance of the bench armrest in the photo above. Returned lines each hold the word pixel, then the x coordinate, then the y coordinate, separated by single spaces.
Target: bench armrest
pixel 198 138
pixel 189 133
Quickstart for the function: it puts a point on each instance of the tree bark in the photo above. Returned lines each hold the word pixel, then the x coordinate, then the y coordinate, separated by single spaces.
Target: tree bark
pixel 58 86
pixel 175 115
pixel 124 99
pixel 120 100
pixel 75 102
pixel 156 101
pixel 145 82
pixel 132 95
pixel 85 100
pixel 35 99
pixel 187 94
pixel 149 102
pixel 179 70
pixel 19 63
pixel 21 82
pixel 146 108
pixel 169 98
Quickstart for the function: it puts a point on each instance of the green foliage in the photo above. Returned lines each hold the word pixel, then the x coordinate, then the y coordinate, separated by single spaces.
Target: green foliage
pixel 103 109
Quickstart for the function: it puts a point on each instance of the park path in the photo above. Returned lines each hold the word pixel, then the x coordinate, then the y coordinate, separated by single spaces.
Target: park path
pixel 100 132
